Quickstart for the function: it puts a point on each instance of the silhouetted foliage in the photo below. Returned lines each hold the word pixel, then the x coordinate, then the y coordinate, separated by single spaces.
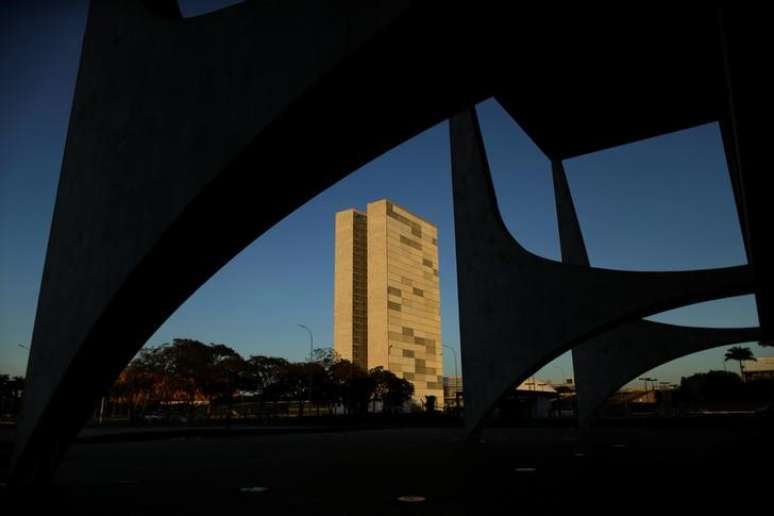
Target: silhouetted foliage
pixel 187 370
pixel 741 355
pixel 393 391
pixel 723 386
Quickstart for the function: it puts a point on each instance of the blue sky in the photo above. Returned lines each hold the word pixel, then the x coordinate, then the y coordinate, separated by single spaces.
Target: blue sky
pixel 659 204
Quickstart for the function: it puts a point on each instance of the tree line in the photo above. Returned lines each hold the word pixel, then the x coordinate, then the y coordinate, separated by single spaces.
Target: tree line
pixel 188 372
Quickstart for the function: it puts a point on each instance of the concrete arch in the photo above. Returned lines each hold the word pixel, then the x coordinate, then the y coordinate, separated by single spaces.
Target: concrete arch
pixel 189 138
pixel 608 361
pixel 518 311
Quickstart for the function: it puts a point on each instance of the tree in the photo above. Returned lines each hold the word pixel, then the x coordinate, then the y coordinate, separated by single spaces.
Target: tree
pixel 185 365
pixel 294 382
pixel 393 391
pixel 326 357
pixel 142 382
pixel 399 391
pixel 711 386
pixel 264 376
pixel 741 355
pixel 225 375
pixel 353 386
pixel 188 369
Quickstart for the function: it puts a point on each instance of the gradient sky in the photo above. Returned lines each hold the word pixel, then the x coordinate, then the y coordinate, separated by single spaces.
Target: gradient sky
pixel 659 204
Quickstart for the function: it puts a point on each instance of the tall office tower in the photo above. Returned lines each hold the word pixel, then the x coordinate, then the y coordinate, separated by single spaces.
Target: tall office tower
pixel 350 296
pixel 402 309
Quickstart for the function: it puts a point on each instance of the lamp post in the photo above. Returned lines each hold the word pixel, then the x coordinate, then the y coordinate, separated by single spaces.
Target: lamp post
pixel 311 357
pixel 311 342
pixel 456 376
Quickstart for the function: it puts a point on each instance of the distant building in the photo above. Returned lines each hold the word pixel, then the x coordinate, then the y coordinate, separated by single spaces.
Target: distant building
pixel 452 391
pixel 533 385
pixel 763 367
pixel 531 399
pixel 387 296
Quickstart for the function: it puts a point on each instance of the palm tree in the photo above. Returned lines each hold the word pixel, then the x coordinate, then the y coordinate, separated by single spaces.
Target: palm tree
pixel 740 354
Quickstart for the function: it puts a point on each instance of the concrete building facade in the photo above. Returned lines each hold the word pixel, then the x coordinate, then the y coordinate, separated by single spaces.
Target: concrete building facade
pixel 350 308
pixel 391 255
pixel 761 368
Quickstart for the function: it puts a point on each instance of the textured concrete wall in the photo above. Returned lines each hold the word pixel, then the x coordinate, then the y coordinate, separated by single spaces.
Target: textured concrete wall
pixel 378 339
pixel 343 280
pixel 411 314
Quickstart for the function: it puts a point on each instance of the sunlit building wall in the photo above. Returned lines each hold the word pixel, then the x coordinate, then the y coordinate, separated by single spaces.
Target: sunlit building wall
pixel 403 307
pixel 350 307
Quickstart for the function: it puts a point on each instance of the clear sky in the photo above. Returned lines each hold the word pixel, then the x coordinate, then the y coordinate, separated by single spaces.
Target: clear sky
pixel 660 204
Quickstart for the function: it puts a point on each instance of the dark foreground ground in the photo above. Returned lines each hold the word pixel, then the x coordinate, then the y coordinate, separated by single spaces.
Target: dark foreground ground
pixel 718 465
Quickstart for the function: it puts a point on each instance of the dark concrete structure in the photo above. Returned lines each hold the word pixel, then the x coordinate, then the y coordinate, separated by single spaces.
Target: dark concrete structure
pixel 189 138
pixel 607 362
pixel 518 311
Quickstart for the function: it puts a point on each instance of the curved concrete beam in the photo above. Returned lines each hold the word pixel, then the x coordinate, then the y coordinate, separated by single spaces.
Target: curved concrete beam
pixel 188 139
pixel 608 361
pixel 746 43
pixel 517 310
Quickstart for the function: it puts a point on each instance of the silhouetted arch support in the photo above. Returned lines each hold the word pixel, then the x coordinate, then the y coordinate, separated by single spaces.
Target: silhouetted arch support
pixel 517 310
pixel 189 138
pixel 607 362
pixel 746 42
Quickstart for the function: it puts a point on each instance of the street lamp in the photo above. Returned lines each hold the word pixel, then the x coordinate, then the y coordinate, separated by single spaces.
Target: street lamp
pixel 653 383
pixel 311 357
pixel 645 381
pixel 311 342
pixel 456 376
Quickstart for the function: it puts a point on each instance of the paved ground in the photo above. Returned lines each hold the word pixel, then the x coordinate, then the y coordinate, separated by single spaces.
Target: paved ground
pixel 545 470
